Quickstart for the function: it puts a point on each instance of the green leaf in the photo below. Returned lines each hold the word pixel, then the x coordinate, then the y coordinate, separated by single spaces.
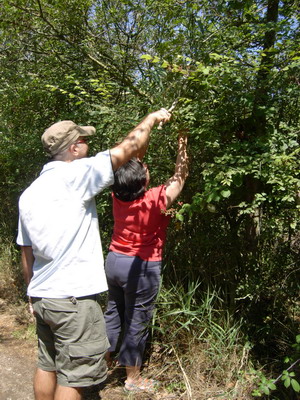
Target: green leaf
pixel 211 208
pixel 287 382
pixel 266 390
pixel 226 193
pixel 146 57
pixel 213 197
pixel 156 59
pixel 256 393
pixel 179 217
pixel 272 386
pixel 295 385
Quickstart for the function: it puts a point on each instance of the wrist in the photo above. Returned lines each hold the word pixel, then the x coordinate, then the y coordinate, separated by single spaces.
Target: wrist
pixel 154 118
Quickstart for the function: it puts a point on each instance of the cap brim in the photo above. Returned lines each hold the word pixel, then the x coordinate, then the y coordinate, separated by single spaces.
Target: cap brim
pixel 87 130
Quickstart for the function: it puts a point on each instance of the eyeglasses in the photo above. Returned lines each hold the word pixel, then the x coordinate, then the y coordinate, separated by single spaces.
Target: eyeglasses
pixel 79 141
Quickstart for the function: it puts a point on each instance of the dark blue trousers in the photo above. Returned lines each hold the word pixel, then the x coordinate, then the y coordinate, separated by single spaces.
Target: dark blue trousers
pixel 132 289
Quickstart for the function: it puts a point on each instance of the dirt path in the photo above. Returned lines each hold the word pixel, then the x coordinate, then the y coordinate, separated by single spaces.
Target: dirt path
pixel 17 362
pixel 17 366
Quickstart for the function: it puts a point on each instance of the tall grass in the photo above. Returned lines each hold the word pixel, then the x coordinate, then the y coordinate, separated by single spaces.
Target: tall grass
pixel 12 286
pixel 204 342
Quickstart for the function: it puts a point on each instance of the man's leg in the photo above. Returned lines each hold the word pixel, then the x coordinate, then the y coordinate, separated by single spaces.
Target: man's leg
pixel 67 393
pixel 45 388
pixel 44 384
pixel 50 313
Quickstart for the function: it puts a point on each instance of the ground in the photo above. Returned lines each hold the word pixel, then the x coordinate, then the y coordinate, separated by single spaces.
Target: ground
pixel 17 362
pixel 17 365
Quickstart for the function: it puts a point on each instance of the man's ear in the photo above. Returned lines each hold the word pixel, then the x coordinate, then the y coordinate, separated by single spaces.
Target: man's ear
pixel 73 149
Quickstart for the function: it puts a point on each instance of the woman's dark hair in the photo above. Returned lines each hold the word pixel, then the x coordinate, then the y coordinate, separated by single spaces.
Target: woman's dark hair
pixel 130 181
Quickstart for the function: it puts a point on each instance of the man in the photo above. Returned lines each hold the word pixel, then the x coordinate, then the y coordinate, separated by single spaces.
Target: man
pixel 62 255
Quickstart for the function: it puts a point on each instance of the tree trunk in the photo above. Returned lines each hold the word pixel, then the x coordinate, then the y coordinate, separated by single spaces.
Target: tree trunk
pixel 261 98
pixel 258 124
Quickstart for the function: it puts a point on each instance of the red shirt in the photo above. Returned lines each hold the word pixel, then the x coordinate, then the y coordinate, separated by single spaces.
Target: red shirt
pixel 140 226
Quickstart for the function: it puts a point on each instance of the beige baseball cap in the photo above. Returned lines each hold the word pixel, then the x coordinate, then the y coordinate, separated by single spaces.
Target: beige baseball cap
pixel 61 135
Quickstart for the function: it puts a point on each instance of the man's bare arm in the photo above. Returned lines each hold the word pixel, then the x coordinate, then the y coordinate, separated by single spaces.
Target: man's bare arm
pixel 136 142
pixel 27 262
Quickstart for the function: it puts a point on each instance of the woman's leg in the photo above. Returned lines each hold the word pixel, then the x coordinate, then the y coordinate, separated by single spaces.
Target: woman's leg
pixel 140 293
pixel 114 315
pixel 132 373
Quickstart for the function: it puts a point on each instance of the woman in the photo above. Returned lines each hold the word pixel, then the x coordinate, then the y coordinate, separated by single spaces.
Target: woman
pixel 134 261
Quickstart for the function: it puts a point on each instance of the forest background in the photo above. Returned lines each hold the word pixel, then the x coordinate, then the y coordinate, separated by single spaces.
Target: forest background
pixel 229 302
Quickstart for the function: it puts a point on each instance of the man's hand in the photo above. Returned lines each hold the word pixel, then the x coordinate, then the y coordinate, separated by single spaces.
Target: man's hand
pixel 163 116
pixel 30 306
pixel 136 142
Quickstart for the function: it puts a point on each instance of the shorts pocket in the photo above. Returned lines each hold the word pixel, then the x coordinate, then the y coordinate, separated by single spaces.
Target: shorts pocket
pixel 86 361
pixel 61 316
pixel 60 305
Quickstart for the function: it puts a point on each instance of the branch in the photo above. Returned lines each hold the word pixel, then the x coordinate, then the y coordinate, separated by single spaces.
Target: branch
pixel 112 68
pixel 289 368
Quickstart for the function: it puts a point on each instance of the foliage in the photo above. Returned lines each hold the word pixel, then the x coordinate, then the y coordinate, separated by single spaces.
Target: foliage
pixel 233 68
pixel 12 287
pixel 287 377
pixel 207 337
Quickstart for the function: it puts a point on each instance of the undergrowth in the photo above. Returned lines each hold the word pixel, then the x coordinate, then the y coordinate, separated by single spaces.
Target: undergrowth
pixel 199 350
pixel 210 356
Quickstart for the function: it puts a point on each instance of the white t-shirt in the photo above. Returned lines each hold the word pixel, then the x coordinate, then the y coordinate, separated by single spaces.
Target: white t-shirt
pixel 58 218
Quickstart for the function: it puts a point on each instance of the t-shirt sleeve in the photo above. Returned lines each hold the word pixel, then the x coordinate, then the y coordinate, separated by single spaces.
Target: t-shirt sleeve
pixel 23 237
pixel 91 175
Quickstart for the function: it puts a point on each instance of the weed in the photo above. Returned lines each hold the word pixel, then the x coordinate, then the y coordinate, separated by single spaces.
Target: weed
pixel 205 343
pixel 12 287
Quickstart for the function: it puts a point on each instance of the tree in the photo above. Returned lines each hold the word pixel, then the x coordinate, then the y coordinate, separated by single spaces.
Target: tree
pixel 234 69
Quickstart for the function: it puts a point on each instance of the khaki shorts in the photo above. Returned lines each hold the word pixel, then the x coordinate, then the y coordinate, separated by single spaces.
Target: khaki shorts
pixel 72 339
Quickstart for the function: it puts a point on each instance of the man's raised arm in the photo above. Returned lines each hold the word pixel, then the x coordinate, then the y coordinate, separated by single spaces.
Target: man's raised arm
pixel 136 142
